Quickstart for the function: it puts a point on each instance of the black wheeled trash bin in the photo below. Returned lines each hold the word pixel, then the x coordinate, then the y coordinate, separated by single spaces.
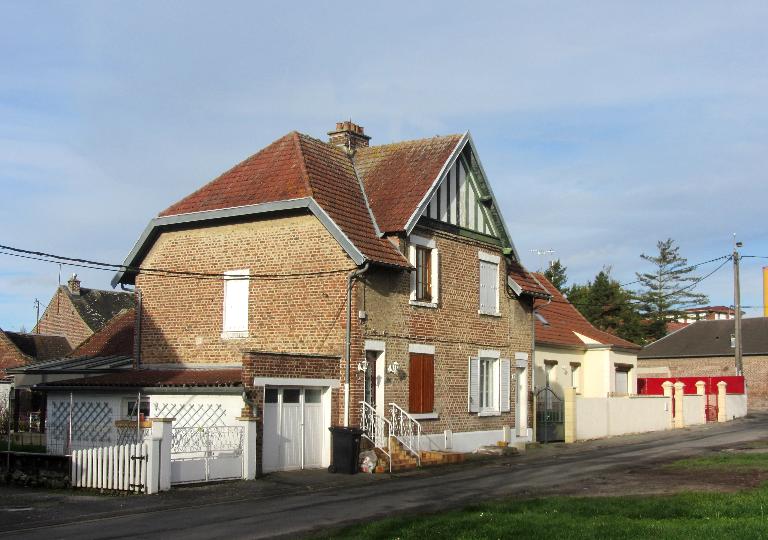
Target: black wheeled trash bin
pixel 345 449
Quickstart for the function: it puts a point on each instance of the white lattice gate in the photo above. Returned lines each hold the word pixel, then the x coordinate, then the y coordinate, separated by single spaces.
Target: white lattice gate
pixel 205 454
pixel 117 468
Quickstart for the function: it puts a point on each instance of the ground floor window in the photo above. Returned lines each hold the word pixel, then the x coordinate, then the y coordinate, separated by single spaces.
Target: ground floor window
pixel 131 410
pixel 576 376
pixel 622 380
pixel 488 384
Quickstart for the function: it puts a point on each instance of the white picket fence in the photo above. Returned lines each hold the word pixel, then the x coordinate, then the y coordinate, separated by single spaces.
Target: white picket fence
pixel 118 468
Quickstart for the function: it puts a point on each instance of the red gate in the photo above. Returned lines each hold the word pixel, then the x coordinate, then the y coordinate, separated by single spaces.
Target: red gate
pixel 710 408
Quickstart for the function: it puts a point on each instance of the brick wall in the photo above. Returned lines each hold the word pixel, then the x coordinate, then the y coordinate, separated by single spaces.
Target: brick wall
pixel 62 319
pixel 755 373
pixel 182 318
pixel 455 329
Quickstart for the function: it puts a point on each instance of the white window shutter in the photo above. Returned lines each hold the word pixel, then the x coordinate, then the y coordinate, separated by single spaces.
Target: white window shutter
pixel 412 260
pixel 504 384
pixel 474 385
pixel 493 276
pixel 483 295
pixel 435 262
pixel 236 301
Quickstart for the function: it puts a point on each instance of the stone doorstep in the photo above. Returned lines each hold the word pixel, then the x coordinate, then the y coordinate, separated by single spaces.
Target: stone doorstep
pixel 403 460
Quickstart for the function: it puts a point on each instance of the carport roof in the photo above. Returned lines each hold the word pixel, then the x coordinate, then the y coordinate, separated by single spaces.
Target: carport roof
pixel 156 378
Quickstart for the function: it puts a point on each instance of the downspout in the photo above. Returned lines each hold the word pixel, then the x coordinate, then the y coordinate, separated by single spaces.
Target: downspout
pixel 357 272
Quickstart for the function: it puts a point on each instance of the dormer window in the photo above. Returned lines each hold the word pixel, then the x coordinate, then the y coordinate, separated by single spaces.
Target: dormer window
pixel 423 256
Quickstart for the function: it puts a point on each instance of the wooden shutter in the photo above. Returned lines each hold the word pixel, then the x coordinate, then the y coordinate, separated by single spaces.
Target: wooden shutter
pixel 504 384
pixel 421 383
pixel 435 277
pixel 489 287
pixel 473 384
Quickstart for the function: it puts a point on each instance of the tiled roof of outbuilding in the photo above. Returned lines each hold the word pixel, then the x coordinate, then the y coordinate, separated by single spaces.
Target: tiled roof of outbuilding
pixel 116 338
pixel 564 319
pixel 40 347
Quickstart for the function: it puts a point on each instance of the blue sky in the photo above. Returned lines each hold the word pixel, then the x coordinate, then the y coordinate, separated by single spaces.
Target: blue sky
pixel 604 127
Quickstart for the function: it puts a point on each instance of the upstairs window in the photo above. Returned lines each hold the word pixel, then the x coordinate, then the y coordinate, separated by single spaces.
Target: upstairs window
pixel 489 283
pixel 423 256
pixel 423 274
pixel 236 285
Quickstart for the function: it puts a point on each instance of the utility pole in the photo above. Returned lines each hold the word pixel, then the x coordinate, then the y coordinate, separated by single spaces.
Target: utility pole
pixel 37 317
pixel 737 305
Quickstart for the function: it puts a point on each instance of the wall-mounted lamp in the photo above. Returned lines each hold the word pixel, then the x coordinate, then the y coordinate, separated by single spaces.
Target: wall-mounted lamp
pixel 363 366
pixel 393 368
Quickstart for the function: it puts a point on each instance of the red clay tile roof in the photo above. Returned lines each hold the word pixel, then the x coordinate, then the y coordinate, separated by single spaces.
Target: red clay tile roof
pixel 160 377
pixel 525 279
pixel 293 167
pixel 397 176
pixel 39 347
pixel 116 338
pixel 564 319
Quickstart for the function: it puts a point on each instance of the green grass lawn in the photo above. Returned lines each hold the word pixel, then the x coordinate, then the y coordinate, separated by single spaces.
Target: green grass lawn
pixel 687 515
pixel 725 460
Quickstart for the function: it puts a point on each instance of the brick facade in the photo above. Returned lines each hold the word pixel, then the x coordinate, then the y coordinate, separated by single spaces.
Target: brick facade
pixel 454 328
pixel 10 355
pixel 755 372
pixel 61 318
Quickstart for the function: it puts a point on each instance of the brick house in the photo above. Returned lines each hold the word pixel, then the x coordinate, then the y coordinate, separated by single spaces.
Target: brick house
pixel 704 349
pixel 343 282
pixel 76 312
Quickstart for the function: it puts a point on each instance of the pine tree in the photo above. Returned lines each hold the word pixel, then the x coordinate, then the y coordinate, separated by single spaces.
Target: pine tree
pixel 608 306
pixel 556 275
pixel 668 289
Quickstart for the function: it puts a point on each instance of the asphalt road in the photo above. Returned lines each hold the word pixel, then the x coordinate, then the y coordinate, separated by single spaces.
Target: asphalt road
pixel 221 511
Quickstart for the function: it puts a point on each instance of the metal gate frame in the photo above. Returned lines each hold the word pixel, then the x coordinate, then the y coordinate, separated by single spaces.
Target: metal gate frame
pixel 550 409
pixel 206 444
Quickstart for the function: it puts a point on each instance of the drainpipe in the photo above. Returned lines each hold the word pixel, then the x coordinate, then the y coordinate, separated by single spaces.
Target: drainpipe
pixel 348 343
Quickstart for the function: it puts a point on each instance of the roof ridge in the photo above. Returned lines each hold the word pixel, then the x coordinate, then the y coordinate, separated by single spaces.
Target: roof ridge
pixel 409 141
pixel 302 162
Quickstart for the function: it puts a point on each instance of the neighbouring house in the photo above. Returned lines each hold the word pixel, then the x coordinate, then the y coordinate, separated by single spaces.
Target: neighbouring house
pixel 706 313
pixel 18 349
pixel 330 283
pixel 705 348
pixel 76 312
pixel 572 353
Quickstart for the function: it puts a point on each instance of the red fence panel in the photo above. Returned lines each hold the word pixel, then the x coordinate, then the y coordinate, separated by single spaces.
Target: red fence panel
pixel 651 386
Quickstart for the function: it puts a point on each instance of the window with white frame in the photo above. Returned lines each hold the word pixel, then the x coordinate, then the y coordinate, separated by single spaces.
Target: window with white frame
pixel 130 410
pixel 576 376
pixel 489 283
pixel 425 278
pixel 236 285
pixel 489 383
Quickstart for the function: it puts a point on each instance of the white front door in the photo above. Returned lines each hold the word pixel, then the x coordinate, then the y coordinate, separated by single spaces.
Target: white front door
pixel 295 429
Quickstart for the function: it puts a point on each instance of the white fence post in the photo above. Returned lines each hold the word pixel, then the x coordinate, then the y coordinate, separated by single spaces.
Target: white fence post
pixel 249 447
pixel 162 432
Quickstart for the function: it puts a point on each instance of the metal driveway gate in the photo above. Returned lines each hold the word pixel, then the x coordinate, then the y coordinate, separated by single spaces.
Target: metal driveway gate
pixel 205 454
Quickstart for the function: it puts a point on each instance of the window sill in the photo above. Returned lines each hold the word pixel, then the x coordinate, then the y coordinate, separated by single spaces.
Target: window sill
pixel 496 314
pixel 419 303
pixel 425 416
pixel 489 413
pixel 234 335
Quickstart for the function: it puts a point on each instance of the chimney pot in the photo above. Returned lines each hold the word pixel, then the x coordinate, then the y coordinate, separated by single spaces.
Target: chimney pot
pixel 74 285
pixel 349 136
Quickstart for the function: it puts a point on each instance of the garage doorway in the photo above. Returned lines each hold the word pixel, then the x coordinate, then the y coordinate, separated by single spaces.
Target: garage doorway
pixel 295 428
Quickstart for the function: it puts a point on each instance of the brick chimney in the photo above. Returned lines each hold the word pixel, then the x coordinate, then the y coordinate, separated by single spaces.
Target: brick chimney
pixel 74 285
pixel 349 136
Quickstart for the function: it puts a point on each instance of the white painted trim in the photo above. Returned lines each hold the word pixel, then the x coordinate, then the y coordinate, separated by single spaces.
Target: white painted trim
pixel 521 356
pixel 232 334
pixel 488 257
pixel 516 288
pixel 422 304
pixel 488 353
pixel 421 348
pixel 374 345
pixel 521 364
pixel 489 412
pixel 495 314
pixel 288 381
pixel 425 416
pixel 469 441
pixel 417 240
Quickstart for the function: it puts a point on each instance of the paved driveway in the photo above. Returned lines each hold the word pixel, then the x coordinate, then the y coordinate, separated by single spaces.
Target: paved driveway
pixel 298 503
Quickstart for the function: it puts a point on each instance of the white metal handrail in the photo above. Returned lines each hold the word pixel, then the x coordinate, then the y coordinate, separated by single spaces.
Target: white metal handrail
pixel 407 430
pixel 376 429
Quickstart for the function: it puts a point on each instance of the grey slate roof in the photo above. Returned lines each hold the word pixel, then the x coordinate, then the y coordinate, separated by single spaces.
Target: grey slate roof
pixel 710 338
pixel 40 346
pixel 83 364
pixel 97 307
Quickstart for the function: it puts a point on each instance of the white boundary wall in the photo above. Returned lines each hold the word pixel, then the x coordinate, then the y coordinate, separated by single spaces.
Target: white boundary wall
pixel 735 406
pixel 608 417
pixel 693 410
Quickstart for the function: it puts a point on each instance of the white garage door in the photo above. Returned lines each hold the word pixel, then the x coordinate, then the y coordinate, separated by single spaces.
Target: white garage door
pixel 294 429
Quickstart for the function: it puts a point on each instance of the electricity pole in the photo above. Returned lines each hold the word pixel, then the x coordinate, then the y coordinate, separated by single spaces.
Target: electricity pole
pixel 737 305
pixel 37 318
